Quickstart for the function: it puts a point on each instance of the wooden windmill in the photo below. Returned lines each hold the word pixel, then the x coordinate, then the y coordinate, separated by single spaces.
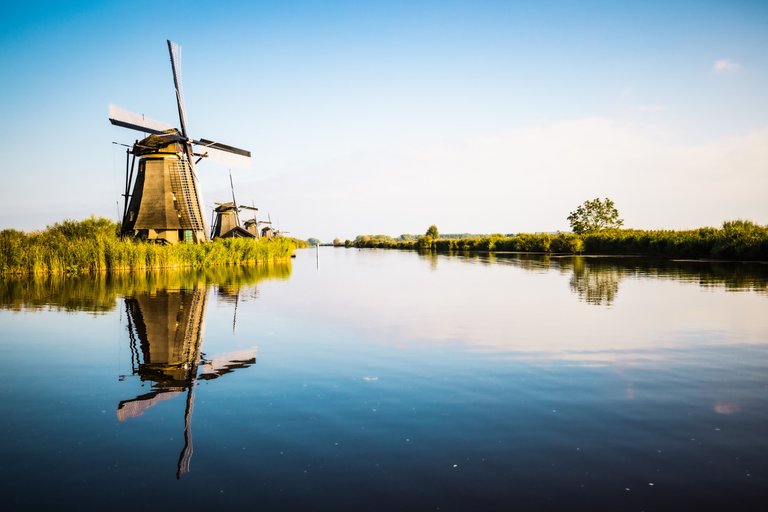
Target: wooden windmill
pixel 252 225
pixel 226 221
pixel 164 202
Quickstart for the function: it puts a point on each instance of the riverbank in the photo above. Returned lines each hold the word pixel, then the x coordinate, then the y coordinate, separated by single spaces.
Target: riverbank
pixel 92 246
pixel 735 240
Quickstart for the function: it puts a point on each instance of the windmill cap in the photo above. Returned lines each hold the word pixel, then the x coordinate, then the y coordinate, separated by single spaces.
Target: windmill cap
pixel 156 142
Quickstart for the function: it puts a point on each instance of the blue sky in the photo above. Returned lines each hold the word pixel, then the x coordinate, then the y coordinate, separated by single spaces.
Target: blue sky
pixel 386 117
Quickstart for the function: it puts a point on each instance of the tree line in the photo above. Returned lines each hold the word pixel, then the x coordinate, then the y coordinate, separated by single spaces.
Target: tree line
pixel 597 228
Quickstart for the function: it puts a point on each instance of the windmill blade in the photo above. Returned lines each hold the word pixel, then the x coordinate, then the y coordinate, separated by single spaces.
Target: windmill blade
pixel 243 207
pixel 222 147
pixel 127 119
pixel 232 187
pixel 239 159
pixel 175 52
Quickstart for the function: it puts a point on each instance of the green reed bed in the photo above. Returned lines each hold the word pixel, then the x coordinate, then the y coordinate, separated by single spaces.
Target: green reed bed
pixel 92 246
pixel 735 240
pixel 560 243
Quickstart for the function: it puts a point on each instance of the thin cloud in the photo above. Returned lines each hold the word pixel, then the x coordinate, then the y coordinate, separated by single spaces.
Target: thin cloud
pixel 724 66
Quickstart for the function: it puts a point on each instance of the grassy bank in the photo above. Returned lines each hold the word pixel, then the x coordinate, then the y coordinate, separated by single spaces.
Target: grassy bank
pixel 735 240
pixel 93 246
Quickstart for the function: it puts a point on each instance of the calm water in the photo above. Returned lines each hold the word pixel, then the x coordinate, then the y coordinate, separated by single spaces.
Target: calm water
pixel 384 380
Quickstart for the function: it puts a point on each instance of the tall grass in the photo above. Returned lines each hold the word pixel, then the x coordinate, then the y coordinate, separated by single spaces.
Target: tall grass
pixel 92 246
pixel 735 240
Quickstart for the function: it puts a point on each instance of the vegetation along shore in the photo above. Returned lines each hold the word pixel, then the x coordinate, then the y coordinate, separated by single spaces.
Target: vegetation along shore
pixel 597 230
pixel 93 246
pixel 735 240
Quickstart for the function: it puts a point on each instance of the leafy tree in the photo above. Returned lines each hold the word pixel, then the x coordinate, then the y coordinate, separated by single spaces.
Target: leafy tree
pixel 432 232
pixel 337 242
pixel 595 215
pixel 313 241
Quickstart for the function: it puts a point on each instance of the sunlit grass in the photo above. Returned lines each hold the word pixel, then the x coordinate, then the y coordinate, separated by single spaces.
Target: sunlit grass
pixel 92 246
pixel 735 240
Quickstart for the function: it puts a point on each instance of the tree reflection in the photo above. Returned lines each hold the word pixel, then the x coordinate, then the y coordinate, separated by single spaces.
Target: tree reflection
pixel 595 284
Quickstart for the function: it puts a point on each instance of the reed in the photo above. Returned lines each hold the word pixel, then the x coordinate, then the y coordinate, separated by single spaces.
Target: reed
pixel 92 246
pixel 735 240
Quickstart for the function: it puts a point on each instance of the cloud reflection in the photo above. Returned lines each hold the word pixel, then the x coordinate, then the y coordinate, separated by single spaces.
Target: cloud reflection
pixel 726 407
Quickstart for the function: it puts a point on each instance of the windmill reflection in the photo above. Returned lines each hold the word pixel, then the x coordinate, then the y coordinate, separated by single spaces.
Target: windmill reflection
pixel 166 331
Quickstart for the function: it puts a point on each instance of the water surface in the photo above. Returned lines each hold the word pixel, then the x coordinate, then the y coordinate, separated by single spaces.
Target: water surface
pixel 386 380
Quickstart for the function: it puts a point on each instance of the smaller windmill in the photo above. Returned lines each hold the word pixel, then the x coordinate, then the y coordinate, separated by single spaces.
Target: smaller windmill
pixel 226 222
pixel 265 232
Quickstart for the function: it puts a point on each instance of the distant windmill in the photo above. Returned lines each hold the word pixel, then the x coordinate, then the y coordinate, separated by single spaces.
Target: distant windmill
pixel 277 231
pixel 165 200
pixel 266 232
pixel 226 222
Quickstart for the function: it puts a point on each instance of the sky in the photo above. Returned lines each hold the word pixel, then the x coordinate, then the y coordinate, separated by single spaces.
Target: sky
pixel 368 117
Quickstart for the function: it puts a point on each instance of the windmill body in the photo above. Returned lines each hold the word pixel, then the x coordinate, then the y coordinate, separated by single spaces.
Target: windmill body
pixel 164 202
pixel 226 222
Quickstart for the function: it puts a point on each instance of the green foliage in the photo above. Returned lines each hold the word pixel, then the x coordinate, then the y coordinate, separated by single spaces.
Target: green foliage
pixel 595 215
pixel 432 232
pixel 567 243
pixel 91 227
pixel 92 246
pixel 313 241
pixel 736 240
pixel 425 243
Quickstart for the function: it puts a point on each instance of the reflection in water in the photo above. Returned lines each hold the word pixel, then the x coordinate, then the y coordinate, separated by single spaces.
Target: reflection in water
pixel 168 325
pixel 595 285
pixel 481 386
pixel 98 294
pixel 595 279
pixel 165 315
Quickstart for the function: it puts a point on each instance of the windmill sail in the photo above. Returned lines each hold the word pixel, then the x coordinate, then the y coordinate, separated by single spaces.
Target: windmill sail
pixel 127 119
pixel 175 52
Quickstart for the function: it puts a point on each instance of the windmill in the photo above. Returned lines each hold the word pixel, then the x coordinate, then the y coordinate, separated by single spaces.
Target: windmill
pixel 164 202
pixel 265 232
pixel 226 222
pixel 277 231
pixel 252 225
